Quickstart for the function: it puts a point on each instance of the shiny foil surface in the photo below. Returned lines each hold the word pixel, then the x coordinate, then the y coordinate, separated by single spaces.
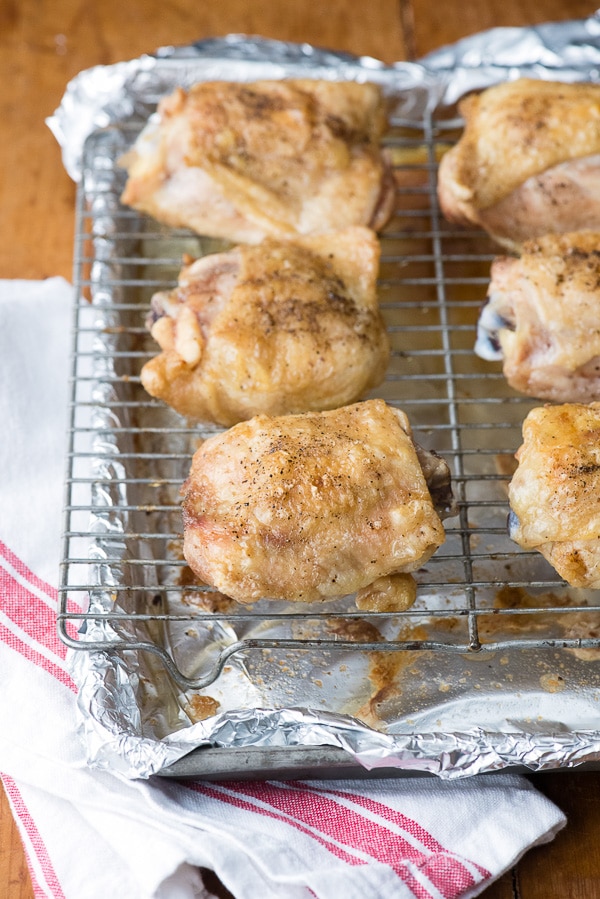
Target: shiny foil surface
pixel 420 710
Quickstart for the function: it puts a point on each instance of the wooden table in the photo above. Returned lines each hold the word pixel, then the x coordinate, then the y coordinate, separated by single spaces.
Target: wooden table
pixel 43 45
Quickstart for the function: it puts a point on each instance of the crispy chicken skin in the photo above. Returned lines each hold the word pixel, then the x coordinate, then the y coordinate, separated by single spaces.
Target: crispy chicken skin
pixel 555 492
pixel 278 327
pixel 528 162
pixel 543 317
pixel 312 506
pixel 242 161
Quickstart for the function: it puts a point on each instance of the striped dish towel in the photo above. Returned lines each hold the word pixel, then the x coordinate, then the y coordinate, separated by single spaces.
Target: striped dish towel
pixel 89 833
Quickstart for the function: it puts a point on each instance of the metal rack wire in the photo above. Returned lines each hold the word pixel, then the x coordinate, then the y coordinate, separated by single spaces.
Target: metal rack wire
pixel 124 583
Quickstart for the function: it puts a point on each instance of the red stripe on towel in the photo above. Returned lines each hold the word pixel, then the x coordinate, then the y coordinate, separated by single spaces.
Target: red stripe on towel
pixel 418 866
pixel 216 793
pixel 30 613
pixel 29 652
pixel 354 841
pixel 411 826
pixel 27 573
pixel 52 888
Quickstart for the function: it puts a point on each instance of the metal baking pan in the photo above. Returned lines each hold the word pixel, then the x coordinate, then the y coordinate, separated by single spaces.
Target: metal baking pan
pixel 496 664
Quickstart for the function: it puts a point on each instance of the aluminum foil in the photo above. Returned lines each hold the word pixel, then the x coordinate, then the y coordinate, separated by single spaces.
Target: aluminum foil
pixel 465 721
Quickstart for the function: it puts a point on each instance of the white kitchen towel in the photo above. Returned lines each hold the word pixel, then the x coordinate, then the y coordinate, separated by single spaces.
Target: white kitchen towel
pixel 88 833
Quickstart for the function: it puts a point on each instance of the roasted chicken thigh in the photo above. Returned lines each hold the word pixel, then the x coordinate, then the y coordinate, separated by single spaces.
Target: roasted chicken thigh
pixel 313 506
pixel 542 317
pixel 528 162
pixel 242 161
pixel 555 492
pixel 278 327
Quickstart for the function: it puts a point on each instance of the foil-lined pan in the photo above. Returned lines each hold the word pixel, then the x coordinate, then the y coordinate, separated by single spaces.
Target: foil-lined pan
pixel 419 694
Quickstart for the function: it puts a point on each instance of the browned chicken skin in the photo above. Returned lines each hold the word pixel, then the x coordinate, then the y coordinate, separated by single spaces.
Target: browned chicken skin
pixel 313 506
pixel 543 318
pixel 242 161
pixel 555 491
pixel 278 327
pixel 528 162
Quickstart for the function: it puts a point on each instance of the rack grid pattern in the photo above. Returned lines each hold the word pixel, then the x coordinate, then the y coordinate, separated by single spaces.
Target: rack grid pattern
pixel 128 454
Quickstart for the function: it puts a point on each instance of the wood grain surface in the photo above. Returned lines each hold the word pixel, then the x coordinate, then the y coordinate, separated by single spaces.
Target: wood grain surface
pixel 42 46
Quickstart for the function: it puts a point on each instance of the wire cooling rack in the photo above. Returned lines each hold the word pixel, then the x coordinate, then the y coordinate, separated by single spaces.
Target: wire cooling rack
pixel 124 583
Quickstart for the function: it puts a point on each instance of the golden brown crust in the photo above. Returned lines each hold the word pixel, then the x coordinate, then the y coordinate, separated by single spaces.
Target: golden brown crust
pixel 271 157
pixel 519 129
pixel 528 161
pixel 308 507
pixel 280 327
pixel 555 491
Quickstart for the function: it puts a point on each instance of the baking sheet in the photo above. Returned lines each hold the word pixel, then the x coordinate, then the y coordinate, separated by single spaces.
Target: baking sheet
pixel 496 666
